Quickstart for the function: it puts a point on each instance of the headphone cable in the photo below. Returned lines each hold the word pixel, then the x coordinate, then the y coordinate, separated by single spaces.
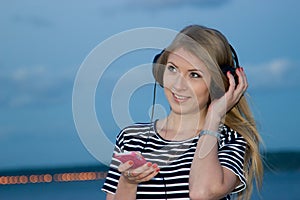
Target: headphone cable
pixel 153 101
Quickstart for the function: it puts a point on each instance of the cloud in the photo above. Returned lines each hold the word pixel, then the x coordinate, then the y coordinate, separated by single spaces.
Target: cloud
pixel 156 5
pixel 273 74
pixel 32 20
pixel 34 86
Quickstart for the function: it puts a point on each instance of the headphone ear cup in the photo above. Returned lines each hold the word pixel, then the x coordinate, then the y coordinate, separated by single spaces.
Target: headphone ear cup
pixel 156 57
pixel 157 69
pixel 232 70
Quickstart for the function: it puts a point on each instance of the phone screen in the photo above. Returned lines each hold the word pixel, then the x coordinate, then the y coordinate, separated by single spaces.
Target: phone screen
pixel 138 159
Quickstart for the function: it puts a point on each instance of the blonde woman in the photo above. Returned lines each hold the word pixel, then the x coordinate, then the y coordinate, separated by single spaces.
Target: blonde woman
pixel 208 146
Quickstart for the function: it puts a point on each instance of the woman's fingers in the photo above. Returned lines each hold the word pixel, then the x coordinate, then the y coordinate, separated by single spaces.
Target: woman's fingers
pixel 242 85
pixel 236 91
pixel 125 166
pixel 149 176
pixel 140 174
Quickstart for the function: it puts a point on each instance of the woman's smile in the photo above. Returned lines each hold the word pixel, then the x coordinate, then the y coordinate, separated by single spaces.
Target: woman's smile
pixel 180 98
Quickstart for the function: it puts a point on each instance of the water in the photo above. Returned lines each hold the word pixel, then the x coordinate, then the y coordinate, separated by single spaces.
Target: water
pixel 280 186
pixel 90 190
pixel 277 186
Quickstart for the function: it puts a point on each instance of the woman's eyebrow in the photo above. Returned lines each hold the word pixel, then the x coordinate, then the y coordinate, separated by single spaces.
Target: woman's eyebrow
pixel 172 64
pixel 193 70
pixel 189 70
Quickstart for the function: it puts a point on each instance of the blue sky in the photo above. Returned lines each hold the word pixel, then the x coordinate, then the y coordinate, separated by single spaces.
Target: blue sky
pixel 43 44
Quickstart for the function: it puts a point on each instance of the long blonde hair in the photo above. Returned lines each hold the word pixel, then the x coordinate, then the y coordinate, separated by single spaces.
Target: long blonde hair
pixel 213 49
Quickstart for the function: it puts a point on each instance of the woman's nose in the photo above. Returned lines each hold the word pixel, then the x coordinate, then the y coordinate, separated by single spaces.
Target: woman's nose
pixel 180 83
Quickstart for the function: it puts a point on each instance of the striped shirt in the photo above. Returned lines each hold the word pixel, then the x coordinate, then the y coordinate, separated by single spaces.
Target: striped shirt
pixel 174 159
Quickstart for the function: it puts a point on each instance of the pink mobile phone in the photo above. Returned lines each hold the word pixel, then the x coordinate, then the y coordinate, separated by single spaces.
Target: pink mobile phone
pixel 138 159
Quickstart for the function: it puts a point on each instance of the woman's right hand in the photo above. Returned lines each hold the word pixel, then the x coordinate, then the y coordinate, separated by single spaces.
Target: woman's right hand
pixel 140 174
pixel 127 185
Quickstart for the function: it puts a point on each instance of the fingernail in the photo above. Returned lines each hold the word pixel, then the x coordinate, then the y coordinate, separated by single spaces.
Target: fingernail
pixel 149 164
pixel 154 166
pixel 157 170
pixel 130 162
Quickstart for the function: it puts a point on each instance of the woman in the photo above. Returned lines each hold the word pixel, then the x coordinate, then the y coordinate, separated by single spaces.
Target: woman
pixel 208 145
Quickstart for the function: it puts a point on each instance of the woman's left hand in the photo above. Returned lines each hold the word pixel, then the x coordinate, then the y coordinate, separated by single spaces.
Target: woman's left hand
pixel 219 107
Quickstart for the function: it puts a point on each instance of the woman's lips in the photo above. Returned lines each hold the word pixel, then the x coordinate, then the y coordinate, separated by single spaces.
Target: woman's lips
pixel 180 98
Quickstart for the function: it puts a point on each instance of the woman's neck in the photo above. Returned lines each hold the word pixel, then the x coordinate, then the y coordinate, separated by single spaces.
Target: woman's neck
pixel 180 127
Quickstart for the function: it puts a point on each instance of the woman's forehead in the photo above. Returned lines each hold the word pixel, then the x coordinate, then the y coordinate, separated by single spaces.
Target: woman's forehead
pixel 184 58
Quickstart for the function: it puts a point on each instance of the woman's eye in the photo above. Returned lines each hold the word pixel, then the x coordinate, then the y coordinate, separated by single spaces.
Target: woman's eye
pixel 172 68
pixel 195 75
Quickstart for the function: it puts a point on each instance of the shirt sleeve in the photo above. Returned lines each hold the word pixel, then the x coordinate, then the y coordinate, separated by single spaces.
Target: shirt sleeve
pixel 231 154
pixel 113 175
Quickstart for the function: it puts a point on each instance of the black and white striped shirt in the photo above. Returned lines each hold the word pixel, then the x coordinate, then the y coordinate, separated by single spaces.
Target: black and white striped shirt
pixel 174 159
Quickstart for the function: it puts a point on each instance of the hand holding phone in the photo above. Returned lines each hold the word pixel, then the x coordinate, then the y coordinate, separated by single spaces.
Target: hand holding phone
pixel 138 159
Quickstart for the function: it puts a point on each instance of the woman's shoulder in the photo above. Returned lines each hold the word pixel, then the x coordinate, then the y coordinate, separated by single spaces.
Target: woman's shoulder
pixel 136 128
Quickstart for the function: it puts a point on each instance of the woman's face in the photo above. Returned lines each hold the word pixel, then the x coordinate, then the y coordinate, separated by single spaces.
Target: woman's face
pixel 185 82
